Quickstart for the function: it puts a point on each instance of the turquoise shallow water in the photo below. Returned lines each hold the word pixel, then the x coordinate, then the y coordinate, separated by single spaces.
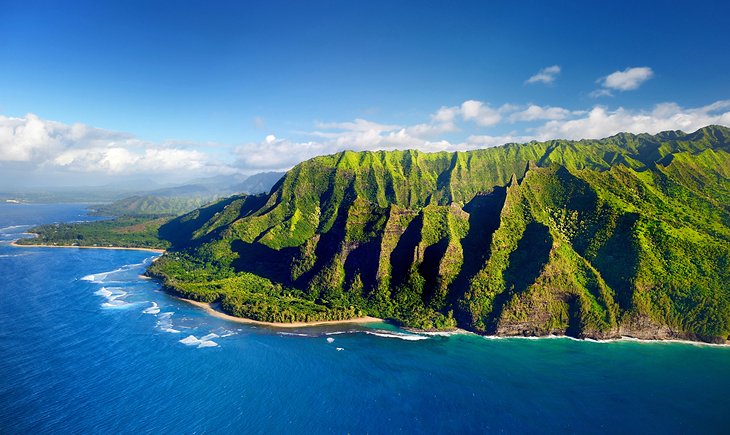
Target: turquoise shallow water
pixel 88 346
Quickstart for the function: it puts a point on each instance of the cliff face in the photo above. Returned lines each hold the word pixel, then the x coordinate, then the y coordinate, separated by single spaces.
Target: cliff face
pixel 626 235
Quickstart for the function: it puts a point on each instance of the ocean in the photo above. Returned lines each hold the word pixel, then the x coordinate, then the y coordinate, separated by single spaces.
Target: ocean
pixel 89 346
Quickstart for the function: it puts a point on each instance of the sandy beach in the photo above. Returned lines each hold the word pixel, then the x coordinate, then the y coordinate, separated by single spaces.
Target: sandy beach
pixel 215 311
pixel 159 251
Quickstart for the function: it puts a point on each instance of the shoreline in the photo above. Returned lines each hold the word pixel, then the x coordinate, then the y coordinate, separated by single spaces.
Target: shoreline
pixel 216 312
pixel 621 339
pixel 122 248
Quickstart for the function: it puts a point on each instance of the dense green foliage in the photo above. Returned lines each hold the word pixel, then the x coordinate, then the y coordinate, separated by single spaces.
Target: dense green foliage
pixel 243 294
pixel 628 235
pixel 129 232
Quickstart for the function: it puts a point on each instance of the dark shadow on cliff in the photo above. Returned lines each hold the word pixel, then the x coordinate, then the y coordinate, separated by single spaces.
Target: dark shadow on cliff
pixel 261 260
pixel 617 260
pixel 401 259
pixel 484 212
pixel 330 243
pixel 574 322
pixel 524 266
pixel 429 270
pixel 363 260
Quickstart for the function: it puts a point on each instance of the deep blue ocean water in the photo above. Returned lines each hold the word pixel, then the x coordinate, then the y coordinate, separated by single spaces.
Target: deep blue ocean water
pixel 86 345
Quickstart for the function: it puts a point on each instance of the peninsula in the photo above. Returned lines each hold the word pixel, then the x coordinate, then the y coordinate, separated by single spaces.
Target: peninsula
pixel 623 236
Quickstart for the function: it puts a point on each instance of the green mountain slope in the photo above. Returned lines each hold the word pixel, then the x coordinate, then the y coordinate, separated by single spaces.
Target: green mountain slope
pixel 628 235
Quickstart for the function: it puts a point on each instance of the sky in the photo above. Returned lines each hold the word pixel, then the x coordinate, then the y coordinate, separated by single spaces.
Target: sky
pixel 105 92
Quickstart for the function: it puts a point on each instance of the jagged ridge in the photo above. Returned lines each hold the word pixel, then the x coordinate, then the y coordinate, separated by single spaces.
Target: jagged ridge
pixel 597 238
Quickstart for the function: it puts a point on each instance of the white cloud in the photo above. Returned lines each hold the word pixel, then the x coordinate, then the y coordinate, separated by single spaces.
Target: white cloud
pixel 45 146
pixel 471 110
pixel 445 114
pixel 601 122
pixel 480 113
pixel 31 138
pixel 118 160
pixel 601 93
pixel 356 125
pixel 535 113
pixel 545 75
pixel 547 123
pixel 277 154
pixel 626 80
pixel 40 143
pixel 488 141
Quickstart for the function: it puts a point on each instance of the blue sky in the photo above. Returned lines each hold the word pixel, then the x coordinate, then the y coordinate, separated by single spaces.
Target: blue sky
pixel 218 87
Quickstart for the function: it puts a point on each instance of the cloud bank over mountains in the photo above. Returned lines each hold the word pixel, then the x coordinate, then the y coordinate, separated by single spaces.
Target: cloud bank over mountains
pixel 30 144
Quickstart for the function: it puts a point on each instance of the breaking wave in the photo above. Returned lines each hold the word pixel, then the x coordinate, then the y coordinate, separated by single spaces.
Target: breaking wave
pixel 205 341
pixel 154 309
pixel 164 323
pixel 398 335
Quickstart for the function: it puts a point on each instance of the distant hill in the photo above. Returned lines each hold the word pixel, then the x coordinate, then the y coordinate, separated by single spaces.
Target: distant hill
pixel 173 201
pixel 258 183
pixel 628 235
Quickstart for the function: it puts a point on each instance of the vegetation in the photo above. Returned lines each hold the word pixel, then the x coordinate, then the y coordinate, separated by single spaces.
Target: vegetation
pixel 130 232
pixel 628 235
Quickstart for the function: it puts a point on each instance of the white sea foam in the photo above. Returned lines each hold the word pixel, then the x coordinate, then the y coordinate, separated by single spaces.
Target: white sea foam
pixel 223 332
pixel 294 334
pixel 446 333
pixel 398 335
pixel 623 339
pixel 190 340
pixel 103 292
pixel 101 277
pixel 12 227
pixel 210 336
pixel 330 339
pixel 114 304
pixel 113 297
pixel 164 322
pixel 207 343
pixel 340 348
pixel 154 309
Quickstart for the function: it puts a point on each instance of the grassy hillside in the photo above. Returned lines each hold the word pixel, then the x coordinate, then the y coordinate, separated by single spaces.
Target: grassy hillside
pixel 628 235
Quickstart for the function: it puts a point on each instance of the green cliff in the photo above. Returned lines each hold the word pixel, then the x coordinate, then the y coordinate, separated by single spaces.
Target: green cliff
pixel 628 235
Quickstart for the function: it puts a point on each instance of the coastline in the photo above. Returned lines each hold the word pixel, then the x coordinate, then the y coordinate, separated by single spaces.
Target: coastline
pixel 216 312
pixel 212 310
pixel 621 339
pixel 159 251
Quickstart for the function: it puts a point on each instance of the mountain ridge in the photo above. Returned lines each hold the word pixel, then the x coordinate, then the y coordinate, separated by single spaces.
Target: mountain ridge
pixel 626 235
